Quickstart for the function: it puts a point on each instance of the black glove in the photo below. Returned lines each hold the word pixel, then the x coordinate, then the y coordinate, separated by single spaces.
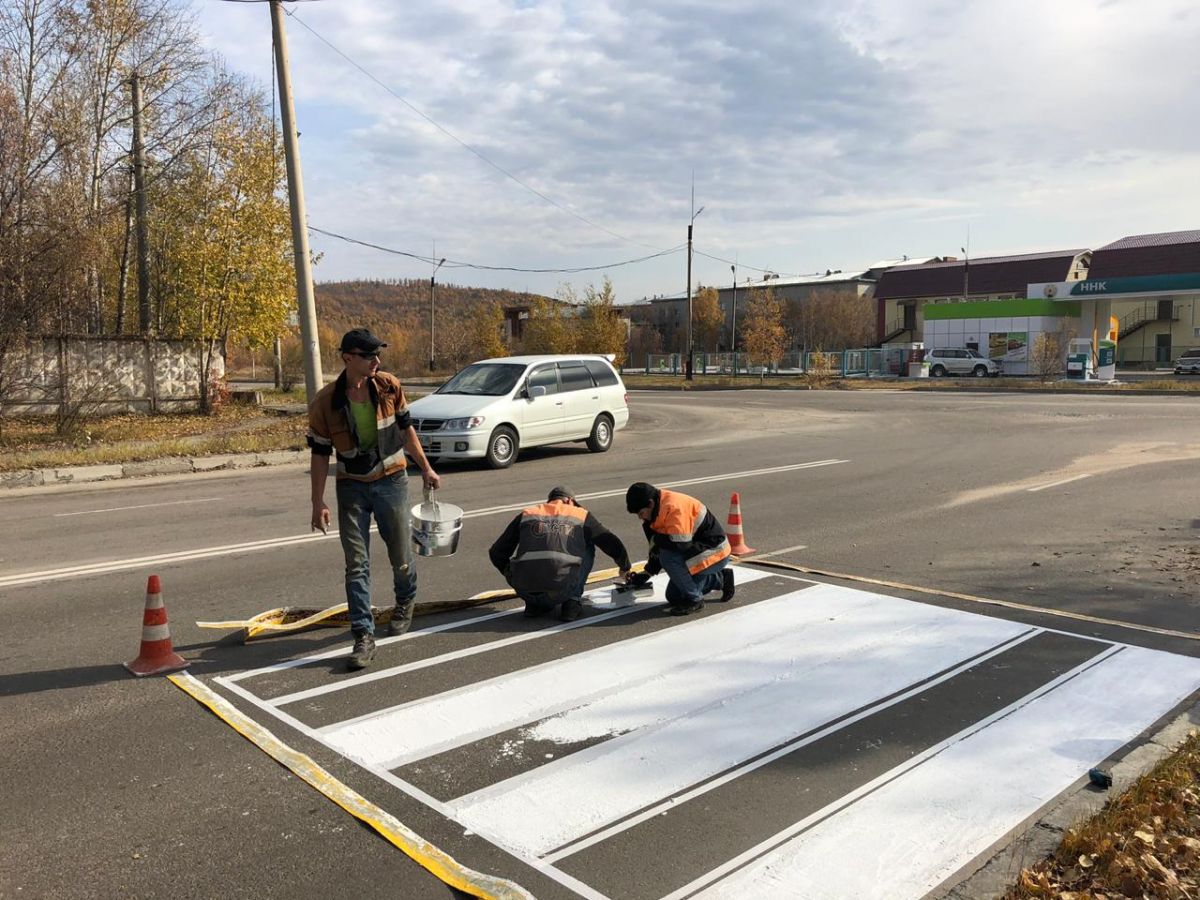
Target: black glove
pixel 641 579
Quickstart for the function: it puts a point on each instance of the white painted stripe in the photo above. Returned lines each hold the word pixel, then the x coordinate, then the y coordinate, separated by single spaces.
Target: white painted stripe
pixel 92 512
pixel 883 645
pixel 639 604
pixel 416 793
pixel 379 642
pixel 759 762
pixel 122 565
pixel 846 800
pixel 965 794
pixel 1042 487
pixel 155 632
pixel 456 655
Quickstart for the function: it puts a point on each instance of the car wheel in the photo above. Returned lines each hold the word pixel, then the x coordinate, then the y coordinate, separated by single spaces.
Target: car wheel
pixel 602 434
pixel 937 371
pixel 502 448
pixel 980 371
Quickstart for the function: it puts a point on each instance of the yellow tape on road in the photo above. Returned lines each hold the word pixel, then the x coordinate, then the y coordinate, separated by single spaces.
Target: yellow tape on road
pixel 1007 604
pixel 440 863
pixel 291 619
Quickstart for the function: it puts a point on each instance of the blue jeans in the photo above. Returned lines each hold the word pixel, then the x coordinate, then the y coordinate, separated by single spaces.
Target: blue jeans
pixel 684 587
pixel 547 601
pixel 387 499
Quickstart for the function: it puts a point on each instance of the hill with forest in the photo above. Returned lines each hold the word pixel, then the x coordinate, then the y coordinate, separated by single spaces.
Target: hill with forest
pixel 344 304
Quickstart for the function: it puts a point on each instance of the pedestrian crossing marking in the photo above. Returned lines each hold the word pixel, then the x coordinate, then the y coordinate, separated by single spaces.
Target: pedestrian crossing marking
pixel 651 723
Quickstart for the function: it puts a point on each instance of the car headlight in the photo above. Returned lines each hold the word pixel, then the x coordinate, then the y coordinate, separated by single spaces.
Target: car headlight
pixel 462 424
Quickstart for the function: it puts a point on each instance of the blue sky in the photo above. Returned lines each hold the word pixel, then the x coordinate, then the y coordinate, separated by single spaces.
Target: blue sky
pixel 823 134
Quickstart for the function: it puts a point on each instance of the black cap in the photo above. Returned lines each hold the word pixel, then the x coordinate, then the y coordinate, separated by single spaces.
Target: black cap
pixel 561 493
pixel 360 339
pixel 640 495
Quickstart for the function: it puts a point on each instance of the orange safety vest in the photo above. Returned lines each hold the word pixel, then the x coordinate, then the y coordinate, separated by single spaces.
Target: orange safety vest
pixel 550 547
pixel 686 522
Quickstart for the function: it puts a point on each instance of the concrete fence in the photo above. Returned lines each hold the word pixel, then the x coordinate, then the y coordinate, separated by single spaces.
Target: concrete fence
pixel 53 375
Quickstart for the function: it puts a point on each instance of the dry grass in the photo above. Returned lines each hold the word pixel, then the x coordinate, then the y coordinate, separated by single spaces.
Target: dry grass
pixel 31 442
pixel 1144 843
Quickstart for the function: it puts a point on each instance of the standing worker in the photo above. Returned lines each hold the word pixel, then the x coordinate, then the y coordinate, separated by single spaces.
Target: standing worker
pixel 687 541
pixel 555 544
pixel 364 416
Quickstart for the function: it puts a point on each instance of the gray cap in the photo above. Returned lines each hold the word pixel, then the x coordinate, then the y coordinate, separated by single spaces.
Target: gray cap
pixel 561 493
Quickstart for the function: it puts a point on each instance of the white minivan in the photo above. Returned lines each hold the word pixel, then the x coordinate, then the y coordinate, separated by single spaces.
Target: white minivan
pixel 494 408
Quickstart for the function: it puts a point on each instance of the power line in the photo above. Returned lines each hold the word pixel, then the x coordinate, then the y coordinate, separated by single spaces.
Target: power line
pixel 742 265
pixel 460 264
pixel 463 143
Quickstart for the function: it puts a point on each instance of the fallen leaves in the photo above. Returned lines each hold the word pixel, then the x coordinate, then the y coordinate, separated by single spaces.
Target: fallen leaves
pixel 1145 843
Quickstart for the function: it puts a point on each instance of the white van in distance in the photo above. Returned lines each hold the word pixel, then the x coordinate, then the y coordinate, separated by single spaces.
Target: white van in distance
pixel 494 408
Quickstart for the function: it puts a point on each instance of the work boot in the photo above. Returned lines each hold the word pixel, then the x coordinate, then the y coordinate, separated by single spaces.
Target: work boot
pixel 685 609
pixel 727 589
pixel 402 617
pixel 571 610
pixel 363 652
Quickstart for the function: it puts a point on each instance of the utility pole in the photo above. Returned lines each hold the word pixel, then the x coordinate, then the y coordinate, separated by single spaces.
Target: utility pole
pixel 733 336
pixel 695 212
pixel 314 378
pixel 432 279
pixel 141 216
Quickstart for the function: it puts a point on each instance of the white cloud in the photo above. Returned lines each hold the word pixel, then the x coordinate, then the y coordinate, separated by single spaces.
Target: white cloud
pixel 827 134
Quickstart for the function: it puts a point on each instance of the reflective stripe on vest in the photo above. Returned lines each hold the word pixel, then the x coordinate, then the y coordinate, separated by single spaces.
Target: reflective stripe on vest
pixel 702 561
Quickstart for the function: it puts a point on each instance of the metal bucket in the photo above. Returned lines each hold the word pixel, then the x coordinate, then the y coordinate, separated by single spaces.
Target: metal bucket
pixel 436 527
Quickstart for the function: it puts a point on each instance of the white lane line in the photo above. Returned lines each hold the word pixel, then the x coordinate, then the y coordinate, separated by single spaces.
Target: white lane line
pixel 965 793
pixel 122 565
pixel 1042 487
pixel 412 791
pixel 877 650
pixel 734 774
pixel 93 512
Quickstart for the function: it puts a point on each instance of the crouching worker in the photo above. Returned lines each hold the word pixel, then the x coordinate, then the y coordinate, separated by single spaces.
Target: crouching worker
pixel 555 545
pixel 687 541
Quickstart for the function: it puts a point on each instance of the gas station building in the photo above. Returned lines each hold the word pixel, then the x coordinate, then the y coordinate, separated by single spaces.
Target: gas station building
pixel 1134 299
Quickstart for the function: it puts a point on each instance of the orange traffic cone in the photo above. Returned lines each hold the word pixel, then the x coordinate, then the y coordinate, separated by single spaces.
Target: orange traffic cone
pixel 157 656
pixel 733 528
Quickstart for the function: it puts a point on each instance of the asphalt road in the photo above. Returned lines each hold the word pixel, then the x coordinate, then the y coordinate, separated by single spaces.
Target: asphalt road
pixel 120 787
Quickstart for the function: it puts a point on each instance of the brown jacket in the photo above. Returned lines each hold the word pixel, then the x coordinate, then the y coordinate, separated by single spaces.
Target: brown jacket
pixel 331 428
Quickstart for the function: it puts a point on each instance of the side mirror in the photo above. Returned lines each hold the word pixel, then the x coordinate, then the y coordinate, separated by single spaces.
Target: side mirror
pixel 536 391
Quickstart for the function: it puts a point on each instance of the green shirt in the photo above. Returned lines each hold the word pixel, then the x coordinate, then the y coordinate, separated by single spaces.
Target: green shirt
pixel 364 421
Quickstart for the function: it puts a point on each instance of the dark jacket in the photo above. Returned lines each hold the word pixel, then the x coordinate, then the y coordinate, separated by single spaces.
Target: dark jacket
pixel 683 525
pixel 549 541
pixel 331 428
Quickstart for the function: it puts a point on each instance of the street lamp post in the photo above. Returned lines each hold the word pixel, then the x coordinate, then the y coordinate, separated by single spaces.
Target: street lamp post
pixel 733 330
pixel 688 367
pixel 432 278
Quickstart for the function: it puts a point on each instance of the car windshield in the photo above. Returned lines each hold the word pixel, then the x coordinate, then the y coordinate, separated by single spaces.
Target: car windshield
pixel 484 380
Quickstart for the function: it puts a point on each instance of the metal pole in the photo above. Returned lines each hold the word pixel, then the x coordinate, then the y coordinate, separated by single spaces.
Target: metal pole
pixel 687 367
pixel 431 280
pixel 314 378
pixel 733 334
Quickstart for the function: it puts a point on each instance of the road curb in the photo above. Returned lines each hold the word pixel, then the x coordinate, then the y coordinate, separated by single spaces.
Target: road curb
pixel 1034 841
pixel 172 465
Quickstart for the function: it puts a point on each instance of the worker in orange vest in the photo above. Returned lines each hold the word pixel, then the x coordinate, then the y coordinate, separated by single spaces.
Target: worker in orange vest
pixel 687 541
pixel 555 546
